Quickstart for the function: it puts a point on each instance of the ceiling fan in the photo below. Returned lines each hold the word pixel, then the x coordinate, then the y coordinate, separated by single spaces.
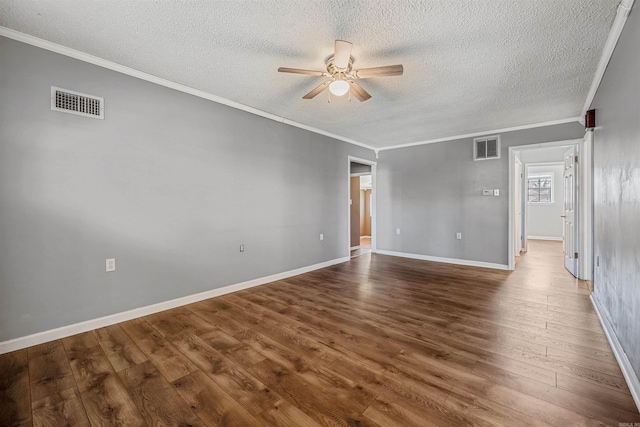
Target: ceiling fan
pixel 343 76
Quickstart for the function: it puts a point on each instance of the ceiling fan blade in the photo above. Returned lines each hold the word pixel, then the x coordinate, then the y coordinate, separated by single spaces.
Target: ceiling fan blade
pixel 342 54
pixel 317 90
pixel 358 92
pixel 299 71
pixel 387 71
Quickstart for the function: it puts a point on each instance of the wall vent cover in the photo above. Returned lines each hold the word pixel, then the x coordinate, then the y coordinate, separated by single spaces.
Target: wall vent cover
pixel 81 104
pixel 486 148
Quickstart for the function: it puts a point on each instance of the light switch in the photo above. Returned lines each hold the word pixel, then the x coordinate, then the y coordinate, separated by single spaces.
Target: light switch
pixel 496 192
pixel 397 231
pixel 487 192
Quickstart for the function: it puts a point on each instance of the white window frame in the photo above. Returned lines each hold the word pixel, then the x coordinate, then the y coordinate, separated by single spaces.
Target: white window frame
pixel 538 176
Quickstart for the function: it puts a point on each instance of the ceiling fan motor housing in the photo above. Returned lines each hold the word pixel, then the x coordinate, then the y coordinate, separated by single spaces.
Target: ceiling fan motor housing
pixel 333 69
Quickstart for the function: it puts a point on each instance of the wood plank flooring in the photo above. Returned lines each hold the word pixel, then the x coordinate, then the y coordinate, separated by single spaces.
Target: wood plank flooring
pixel 376 341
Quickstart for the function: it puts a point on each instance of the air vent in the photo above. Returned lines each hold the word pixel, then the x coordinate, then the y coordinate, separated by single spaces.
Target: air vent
pixel 486 148
pixel 81 104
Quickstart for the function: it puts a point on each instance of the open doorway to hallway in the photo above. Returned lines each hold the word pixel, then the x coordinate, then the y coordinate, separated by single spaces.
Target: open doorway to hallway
pixel 363 213
pixel 540 197
pixel 361 207
pixel 550 201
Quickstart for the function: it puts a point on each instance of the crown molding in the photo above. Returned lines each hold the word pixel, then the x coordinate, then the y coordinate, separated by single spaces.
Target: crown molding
pixel 85 57
pixel 624 9
pixel 483 133
pixel 91 59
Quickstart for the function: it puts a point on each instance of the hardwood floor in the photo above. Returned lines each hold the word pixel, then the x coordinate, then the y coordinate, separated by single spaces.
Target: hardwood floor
pixel 377 341
pixel 365 247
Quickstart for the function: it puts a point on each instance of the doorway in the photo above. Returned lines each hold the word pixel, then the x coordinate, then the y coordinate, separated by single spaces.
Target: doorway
pixel 542 197
pixel 361 207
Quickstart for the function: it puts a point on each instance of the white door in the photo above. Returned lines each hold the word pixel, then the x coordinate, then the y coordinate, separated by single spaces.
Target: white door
pixel 570 229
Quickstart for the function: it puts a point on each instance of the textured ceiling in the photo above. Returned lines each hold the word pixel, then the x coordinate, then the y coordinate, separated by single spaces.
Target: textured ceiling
pixel 470 66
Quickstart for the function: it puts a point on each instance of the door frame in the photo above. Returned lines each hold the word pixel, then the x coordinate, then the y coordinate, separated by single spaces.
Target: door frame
pixel 518 214
pixel 585 201
pixel 373 165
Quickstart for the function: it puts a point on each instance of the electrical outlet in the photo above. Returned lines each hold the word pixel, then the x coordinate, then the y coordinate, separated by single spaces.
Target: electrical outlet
pixel 397 231
pixel 496 192
pixel 459 236
pixel 487 192
pixel 321 236
pixel 111 264
pixel 241 248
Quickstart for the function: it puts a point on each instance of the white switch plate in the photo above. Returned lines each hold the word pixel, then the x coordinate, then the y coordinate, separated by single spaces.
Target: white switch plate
pixel 111 264
pixel 397 231
pixel 496 192
pixel 321 236
pixel 487 192
pixel 459 236
pixel 241 248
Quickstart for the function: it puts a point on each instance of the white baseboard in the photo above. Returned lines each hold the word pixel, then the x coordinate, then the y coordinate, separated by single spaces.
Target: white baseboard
pixel 368 237
pixel 100 322
pixel 545 238
pixel 627 370
pixel 445 260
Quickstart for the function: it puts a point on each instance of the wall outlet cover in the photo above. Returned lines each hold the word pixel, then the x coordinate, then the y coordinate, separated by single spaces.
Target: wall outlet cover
pixel 111 264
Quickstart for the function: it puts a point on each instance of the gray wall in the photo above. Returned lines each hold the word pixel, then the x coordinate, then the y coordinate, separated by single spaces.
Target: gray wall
pixel 617 190
pixel 168 184
pixel 543 155
pixel 360 168
pixel 543 219
pixel 433 191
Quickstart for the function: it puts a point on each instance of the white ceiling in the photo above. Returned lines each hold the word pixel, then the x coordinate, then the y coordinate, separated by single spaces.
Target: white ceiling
pixel 470 66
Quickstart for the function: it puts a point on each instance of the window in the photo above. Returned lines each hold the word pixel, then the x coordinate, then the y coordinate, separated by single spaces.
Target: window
pixel 539 189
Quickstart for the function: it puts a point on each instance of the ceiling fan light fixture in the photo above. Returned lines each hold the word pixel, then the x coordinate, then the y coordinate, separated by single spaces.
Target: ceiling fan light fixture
pixel 339 87
pixel 342 76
